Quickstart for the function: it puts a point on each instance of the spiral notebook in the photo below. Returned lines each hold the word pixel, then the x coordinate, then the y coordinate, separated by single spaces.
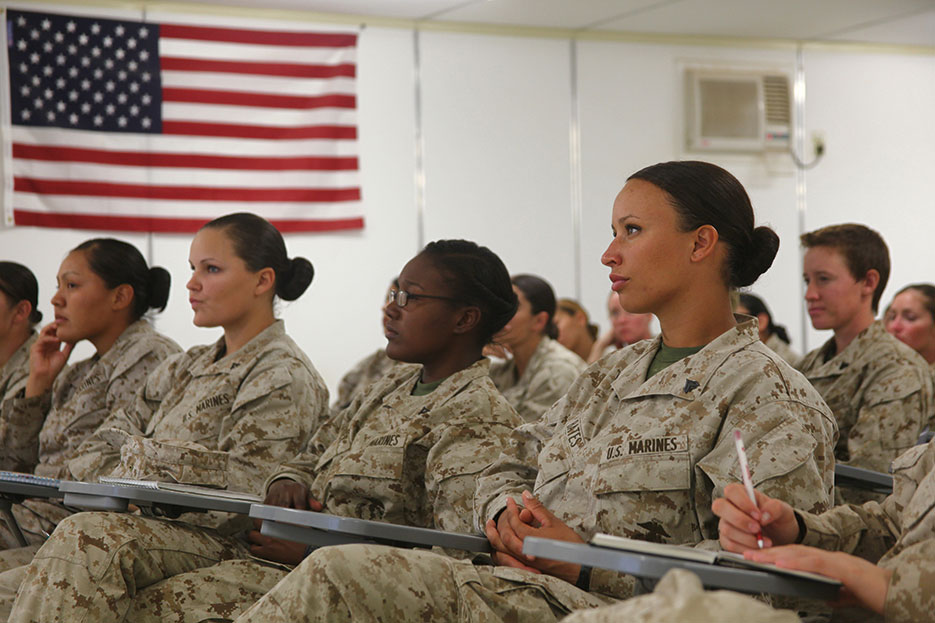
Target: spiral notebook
pixel 175 487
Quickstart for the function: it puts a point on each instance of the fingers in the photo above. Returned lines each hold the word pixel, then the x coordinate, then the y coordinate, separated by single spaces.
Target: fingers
pixel 493 535
pixel 314 504
pixel 738 541
pixel 501 558
pixel 254 537
pixel 539 512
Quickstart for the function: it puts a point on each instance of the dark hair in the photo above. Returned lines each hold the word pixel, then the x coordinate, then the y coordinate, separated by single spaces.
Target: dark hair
pixel 18 283
pixel 476 276
pixel 927 292
pixel 572 307
pixel 117 262
pixel 706 194
pixel 260 245
pixel 862 248
pixel 541 298
pixel 756 306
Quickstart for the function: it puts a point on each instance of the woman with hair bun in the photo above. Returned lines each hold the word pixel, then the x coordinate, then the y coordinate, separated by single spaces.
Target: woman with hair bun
pixel 639 446
pixel 19 315
pixel 539 370
pixel 104 290
pixel 771 334
pixel 910 318
pixel 407 449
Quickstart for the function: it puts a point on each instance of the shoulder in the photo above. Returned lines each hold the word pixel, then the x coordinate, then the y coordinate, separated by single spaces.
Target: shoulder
pixel 561 359
pixel 481 401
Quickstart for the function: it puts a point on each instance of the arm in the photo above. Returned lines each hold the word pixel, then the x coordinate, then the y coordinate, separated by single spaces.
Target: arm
pixel 21 420
pixel 545 388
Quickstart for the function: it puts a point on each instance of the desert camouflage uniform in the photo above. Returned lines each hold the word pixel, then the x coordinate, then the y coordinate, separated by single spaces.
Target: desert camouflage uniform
pixel 202 420
pixel 783 350
pixel 629 456
pixel 389 456
pixel 880 392
pixel 551 371
pixel 41 434
pixel 899 534
pixel 15 372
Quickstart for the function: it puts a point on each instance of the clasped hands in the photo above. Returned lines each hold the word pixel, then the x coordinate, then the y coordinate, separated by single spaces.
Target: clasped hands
pixel 289 494
pixel 514 524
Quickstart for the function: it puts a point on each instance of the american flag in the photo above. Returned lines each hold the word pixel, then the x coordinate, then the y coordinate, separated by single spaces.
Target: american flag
pixel 140 126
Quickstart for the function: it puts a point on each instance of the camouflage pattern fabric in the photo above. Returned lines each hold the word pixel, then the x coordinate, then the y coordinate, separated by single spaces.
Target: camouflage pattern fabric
pixel 41 434
pixel 551 371
pixel 365 372
pixel 680 597
pixel 389 456
pixel 880 391
pixel 783 350
pixel 617 454
pixel 15 372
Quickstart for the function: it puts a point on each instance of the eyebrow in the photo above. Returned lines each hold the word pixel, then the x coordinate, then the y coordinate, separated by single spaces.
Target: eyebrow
pixel 68 272
pixel 626 216
pixel 411 284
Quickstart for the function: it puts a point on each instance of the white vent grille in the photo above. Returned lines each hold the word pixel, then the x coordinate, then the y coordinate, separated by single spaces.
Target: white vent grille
pixel 776 94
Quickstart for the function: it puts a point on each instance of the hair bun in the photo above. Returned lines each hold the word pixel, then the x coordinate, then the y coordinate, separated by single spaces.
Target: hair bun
pixel 758 257
pixel 158 281
pixel 295 279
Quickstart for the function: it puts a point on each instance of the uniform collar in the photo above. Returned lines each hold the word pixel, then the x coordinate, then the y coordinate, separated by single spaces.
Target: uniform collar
pixel 129 337
pixel 687 378
pixel 851 353
pixel 451 386
pixel 206 364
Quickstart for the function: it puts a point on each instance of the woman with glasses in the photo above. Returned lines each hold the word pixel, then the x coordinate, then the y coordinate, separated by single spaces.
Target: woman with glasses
pixel 19 315
pixel 406 451
pixel 539 369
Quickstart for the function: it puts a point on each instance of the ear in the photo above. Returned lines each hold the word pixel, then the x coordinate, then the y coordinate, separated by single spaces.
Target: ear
pixel 468 320
pixel 265 281
pixel 869 283
pixel 762 321
pixel 123 296
pixel 704 242
pixel 539 321
pixel 22 311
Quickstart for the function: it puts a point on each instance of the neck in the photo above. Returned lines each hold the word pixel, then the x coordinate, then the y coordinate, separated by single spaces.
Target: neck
pixel 582 346
pixel 450 363
pixel 697 318
pixel 104 342
pixel 845 334
pixel 522 353
pixel 929 353
pixel 236 335
pixel 11 343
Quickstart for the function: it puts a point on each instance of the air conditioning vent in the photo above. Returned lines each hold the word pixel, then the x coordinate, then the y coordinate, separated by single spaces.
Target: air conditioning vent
pixel 776 93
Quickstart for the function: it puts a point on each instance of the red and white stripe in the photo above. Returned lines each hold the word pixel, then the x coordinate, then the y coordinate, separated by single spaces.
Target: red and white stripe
pixel 253 120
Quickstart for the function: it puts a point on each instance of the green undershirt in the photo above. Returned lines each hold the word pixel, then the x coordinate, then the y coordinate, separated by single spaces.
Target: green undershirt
pixel 667 355
pixel 424 389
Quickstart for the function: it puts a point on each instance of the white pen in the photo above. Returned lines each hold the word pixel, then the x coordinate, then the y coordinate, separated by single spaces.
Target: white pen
pixel 747 483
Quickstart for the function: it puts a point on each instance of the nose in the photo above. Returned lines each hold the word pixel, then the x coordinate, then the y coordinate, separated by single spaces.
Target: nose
pixel 57 299
pixel 193 283
pixel 811 292
pixel 611 256
pixel 390 308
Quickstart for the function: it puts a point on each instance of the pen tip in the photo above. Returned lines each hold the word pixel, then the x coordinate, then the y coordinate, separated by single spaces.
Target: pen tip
pixel 737 435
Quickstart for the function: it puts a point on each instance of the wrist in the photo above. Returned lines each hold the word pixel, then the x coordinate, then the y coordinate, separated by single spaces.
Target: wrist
pixel 584 578
pixel 801 528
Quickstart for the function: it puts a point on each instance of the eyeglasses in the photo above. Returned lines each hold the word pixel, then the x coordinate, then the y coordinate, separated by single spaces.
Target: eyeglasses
pixel 402 298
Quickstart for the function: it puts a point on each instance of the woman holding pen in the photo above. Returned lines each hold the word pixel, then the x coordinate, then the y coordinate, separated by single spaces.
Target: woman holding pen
pixel 639 446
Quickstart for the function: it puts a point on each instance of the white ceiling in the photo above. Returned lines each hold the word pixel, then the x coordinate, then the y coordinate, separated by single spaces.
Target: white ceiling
pixel 898 22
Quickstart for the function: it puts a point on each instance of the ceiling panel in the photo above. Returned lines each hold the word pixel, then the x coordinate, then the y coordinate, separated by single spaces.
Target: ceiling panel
pixel 914 30
pixel 544 13
pixel 399 9
pixel 790 19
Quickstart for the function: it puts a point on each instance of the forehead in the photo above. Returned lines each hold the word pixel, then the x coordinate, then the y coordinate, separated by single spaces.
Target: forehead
pixel 825 258
pixel 642 200
pixel 74 262
pixel 910 299
pixel 422 272
pixel 212 242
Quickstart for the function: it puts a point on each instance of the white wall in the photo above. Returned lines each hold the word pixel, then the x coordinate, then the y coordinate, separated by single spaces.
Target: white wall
pixel 497 167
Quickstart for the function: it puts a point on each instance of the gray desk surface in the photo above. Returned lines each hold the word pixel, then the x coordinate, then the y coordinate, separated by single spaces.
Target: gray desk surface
pixel 320 529
pixel 13 484
pixel 99 496
pixel 860 478
pixel 650 567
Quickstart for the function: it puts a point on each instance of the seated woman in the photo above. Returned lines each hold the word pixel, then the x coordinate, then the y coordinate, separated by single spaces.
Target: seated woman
pixel 910 318
pixel 104 289
pixel 407 451
pixel 575 330
pixel 540 370
pixel 19 315
pixel 772 334
pixel 222 415
pixel 884 554
pixel 625 328
pixel 639 446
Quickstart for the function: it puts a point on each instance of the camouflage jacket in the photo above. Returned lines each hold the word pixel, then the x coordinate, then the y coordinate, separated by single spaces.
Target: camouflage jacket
pixel 216 421
pixel 551 371
pixel 42 433
pixel 645 458
pixel 898 534
pixel 15 372
pixel 783 350
pixel 405 459
pixel 880 392
pixel 365 372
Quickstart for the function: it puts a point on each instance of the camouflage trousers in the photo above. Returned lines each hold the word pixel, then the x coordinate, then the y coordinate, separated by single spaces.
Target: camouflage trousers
pixel 679 596
pixel 96 564
pixel 36 519
pixel 371 582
